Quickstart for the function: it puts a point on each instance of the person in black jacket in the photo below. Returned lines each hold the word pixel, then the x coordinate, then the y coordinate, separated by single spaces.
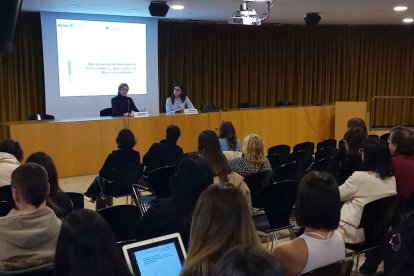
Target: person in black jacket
pixel 166 152
pixel 116 160
pixel 121 104
pixel 174 214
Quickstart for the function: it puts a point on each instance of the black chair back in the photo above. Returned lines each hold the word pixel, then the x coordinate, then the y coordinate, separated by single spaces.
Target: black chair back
pixel 278 200
pixel 256 182
pixel 77 200
pixel 6 193
pixel 291 171
pixel 279 149
pixel 310 146
pixel 341 268
pixel 373 136
pixel 159 180
pixel 384 137
pixel 328 165
pixel 39 117
pixel 106 112
pixel 124 177
pixel 121 218
pixel 377 217
pixel 276 160
pixel 304 156
pixel 325 153
pixel 5 208
pixel 327 143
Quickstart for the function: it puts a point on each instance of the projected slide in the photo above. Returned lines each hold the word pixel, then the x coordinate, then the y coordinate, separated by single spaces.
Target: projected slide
pixel 95 57
pixel 161 260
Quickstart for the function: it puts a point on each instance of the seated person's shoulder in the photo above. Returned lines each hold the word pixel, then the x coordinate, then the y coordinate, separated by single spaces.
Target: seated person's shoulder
pixel 293 255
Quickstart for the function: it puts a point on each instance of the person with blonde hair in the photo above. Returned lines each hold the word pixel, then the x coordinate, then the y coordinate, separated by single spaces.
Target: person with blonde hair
pixel 220 222
pixel 253 159
pixel 209 150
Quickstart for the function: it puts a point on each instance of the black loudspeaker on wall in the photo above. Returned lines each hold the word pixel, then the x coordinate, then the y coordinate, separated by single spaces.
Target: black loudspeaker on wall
pixel 158 8
pixel 9 14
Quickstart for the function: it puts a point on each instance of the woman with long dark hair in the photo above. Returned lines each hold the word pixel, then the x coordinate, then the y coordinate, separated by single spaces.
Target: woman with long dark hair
pixel 86 246
pixel 209 150
pixel 228 138
pixel 178 101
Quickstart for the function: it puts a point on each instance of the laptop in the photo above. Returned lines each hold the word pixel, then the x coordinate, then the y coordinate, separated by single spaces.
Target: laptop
pixel 162 256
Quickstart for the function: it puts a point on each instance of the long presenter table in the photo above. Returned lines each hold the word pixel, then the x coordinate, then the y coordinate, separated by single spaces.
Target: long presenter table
pixel 80 146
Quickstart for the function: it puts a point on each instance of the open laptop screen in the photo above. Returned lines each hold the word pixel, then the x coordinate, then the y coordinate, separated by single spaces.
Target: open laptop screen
pixel 158 256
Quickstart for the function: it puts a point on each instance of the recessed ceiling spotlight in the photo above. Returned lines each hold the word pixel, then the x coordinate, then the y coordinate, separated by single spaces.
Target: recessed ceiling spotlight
pixel 400 8
pixel 177 7
pixel 408 20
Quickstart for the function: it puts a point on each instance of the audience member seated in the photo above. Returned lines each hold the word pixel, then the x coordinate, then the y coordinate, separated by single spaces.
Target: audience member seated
pixel 401 144
pixel 164 153
pixel 209 149
pixel 11 154
pixel 86 246
pixel 375 180
pixel 253 159
pixel 352 160
pixel 29 234
pixel 318 210
pixel 227 137
pixel 174 214
pixel 57 200
pixel 352 123
pixel 117 159
pixel 221 221
pixel 399 258
pixel 248 261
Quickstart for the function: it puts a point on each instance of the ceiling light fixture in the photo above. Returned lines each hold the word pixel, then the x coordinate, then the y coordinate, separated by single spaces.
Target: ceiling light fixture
pixel 408 20
pixel 248 16
pixel 400 8
pixel 177 7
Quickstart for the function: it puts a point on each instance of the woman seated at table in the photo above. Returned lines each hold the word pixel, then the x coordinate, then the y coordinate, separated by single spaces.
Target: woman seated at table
pixel 122 105
pixel 253 159
pixel 221 221
pixel 318 210
pixel 209 149
pixel 178 101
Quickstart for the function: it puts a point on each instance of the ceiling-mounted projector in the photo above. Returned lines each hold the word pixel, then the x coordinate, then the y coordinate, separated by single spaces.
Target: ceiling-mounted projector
pixel 248 16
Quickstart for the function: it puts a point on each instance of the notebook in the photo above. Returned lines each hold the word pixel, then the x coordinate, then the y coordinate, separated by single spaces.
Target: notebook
pixel 163 256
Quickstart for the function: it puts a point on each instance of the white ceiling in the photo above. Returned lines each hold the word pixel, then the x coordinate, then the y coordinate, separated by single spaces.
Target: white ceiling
pixel 348 12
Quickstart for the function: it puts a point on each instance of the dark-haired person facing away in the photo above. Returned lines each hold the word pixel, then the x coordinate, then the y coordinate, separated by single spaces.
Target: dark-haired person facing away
pixel 166 152
pixel 87 246
pixel 317 209
pixel 122 105
pixel 178 101
pixel 11 155
pixel 124 155
pixel 351 123
pixel 248 261
pixel 58 200
pixel 352 160
pixel 373 181
pixel 228 138
pixel 401 145
pixel 28 234
pixel 209 150
pixel 174 214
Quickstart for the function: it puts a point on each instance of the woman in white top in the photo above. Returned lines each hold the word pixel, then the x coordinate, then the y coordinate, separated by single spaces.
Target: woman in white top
pixel 178 101
pixel 318 210
pixel 375 180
